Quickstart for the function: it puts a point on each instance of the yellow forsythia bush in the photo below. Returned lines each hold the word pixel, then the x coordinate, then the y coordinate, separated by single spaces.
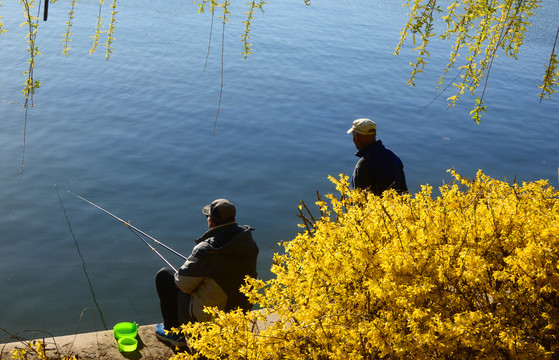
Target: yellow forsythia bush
pixel 470 274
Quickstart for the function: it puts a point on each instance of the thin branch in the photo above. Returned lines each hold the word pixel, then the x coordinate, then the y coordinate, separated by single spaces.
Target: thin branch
pixel 222 71
pixel 209 41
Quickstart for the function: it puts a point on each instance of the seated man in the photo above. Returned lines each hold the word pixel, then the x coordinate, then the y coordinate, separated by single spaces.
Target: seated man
pixel 212 274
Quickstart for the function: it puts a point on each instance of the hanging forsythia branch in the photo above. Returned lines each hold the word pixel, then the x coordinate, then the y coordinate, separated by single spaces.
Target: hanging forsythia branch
pixel 98 27
pixel 110 32
pixel 480 30
pixel 31 84
pixel 69 24
pixel 470 274
pixel 250 16
pixel 32 22
pixel 551 77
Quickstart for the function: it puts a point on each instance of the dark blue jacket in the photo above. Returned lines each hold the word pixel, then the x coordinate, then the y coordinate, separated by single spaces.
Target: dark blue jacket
pixel 379 169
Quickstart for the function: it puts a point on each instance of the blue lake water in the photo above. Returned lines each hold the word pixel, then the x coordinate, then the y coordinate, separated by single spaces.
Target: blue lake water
pixel 135 135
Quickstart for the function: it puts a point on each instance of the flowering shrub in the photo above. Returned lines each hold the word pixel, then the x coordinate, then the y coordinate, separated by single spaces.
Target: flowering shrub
pixel 472 273
pixel 35 349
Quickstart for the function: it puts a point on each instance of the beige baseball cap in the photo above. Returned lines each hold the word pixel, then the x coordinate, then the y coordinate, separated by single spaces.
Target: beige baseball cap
pixel 363 126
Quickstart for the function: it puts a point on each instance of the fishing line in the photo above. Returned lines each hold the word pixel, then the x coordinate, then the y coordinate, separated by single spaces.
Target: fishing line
pixel 137 232
pixel 81 257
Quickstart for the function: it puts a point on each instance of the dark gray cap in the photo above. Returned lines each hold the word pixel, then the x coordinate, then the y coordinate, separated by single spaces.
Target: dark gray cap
pixel 221 211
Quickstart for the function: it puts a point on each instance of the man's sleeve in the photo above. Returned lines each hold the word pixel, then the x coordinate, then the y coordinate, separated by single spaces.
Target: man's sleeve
pixel 192 272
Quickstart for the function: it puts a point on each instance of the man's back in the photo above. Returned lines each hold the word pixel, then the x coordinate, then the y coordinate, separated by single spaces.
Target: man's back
pixel 379 169
pixel 217 267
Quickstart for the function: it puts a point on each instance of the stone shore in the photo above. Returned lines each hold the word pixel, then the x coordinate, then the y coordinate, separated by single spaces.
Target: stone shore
pixel 97 345
pixel 102 345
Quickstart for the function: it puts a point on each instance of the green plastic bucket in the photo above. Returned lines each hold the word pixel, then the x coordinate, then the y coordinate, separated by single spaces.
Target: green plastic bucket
pixel 125 329
pixel 127 344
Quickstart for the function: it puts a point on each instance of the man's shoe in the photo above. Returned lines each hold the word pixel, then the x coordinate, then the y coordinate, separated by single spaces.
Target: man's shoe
pixel 173 339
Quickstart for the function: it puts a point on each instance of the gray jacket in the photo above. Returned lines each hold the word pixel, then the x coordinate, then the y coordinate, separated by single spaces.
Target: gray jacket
pixel 216 269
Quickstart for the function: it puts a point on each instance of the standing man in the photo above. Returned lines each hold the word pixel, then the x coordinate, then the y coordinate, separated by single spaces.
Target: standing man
pixel 212 274
pixel 378 168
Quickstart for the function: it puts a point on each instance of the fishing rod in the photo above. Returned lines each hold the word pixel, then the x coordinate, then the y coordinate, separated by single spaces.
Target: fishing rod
pixel 136 231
